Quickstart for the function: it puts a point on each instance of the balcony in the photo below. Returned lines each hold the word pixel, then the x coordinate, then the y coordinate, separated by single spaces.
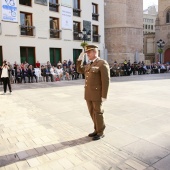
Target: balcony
pixel 76 12
pixel 76 36
pixel 55 33
pixel 27 30
pixel 95 16
pixel 54 7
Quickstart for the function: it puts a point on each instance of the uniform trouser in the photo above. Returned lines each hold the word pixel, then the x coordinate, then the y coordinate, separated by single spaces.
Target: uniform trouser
pixel 6 82
pixel 96 113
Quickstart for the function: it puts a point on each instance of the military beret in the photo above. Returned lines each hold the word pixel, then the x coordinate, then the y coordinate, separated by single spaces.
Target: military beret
pixel 90 47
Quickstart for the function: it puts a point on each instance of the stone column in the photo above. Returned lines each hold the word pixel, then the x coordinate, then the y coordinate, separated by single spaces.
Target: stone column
pixel 124 30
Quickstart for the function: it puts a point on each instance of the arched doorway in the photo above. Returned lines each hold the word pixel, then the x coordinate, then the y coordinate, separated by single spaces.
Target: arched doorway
pixel 167 56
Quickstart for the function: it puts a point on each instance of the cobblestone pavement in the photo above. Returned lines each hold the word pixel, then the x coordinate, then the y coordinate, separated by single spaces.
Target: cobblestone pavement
pixel 44 126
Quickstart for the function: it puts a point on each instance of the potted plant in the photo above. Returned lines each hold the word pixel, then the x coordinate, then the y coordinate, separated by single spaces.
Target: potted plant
pixel 83 44
pixel 160 50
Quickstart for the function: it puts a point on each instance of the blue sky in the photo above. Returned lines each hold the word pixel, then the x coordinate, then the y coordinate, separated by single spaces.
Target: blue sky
pixel 147 3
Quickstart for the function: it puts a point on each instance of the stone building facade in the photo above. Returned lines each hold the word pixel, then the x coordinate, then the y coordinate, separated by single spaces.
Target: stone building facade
pixel 149 47
pixel 47 30
pixel 124 30
pixel 163 29
pixel 149 18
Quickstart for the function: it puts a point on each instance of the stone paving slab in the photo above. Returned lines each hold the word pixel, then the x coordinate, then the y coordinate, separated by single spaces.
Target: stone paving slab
pixel 44 126
pixel 163 164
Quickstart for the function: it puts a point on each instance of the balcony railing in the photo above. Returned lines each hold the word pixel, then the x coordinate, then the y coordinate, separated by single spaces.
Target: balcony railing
pixel 55 33
pixel 96 37
pixel 76 12
pixel 75 36
pixel 27 30
pixel 54 7
pixel 95 16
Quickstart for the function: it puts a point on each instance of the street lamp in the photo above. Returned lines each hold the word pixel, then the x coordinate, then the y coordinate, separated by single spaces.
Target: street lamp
pixel 85 36
pixel 160 45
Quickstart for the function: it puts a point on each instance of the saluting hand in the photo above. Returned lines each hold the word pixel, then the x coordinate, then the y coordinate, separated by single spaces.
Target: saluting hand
pixel 81 56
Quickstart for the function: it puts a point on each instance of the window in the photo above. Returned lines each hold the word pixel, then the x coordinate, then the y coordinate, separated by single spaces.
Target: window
pixel 55 56
pixel 95 33
pixel 53 5
pixel 76 4
pixel 151 27
pixel 25 2
pixel 54 28
pixel 99 53
pixel 26 27
pixel 1 58
pixel 146 27
pixel 168 17
pixel 95 14
pixel 27 54
pixel 76 8
pixel 76 30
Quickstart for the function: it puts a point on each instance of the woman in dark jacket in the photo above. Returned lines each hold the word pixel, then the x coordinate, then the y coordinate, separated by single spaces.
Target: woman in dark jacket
pixel 0 75
pixel 5 75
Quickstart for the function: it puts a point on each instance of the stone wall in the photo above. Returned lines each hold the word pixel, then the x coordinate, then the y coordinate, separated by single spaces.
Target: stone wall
pixel 134 13
pixel 162 28
pixel 124 29
pixel 115 13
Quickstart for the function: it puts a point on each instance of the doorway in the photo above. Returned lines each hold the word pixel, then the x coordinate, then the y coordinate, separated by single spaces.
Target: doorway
pixel 27 54
pixel 76 53
pixel 167 56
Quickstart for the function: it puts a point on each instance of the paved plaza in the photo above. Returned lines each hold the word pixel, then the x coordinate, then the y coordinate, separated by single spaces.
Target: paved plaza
pixel 44 126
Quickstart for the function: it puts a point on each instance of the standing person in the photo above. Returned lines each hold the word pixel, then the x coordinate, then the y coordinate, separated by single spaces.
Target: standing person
pixel 37 64
pixel 97 78
pixel 69 63
pixel 6 77
pixel 0 75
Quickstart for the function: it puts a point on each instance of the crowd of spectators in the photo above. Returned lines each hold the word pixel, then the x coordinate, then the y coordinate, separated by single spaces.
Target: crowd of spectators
pixel 126 68
pixel 25 72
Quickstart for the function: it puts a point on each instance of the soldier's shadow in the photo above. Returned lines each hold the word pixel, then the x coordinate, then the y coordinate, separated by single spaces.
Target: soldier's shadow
pixel 35 152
